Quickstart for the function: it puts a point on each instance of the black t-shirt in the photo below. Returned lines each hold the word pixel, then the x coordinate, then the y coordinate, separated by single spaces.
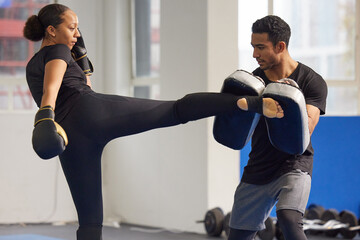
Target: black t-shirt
pixel 72 86
pixel 267 163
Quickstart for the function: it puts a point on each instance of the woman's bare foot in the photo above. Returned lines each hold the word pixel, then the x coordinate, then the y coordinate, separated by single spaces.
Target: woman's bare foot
pixel 242 104
pixel 272 109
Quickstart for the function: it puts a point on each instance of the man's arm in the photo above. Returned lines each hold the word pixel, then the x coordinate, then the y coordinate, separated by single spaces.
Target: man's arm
pixel 313 117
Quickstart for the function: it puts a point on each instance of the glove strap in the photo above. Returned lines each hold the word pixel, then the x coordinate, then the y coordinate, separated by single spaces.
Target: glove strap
pixel 80 56
pixel 255 104
pixel 89 69
pixel 44 113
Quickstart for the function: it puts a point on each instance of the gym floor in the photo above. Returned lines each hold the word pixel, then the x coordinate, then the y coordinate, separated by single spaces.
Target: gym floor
pixel 124 232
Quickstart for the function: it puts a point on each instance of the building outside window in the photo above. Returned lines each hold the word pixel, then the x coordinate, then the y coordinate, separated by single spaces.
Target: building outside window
pixel 15 52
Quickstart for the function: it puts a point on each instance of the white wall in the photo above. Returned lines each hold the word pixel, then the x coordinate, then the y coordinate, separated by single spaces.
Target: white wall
pixel 33 190
pixel 222 59
pixel 170 177
pixel 163 178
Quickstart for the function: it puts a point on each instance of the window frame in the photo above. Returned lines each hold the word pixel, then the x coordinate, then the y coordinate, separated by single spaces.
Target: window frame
pixel 143 81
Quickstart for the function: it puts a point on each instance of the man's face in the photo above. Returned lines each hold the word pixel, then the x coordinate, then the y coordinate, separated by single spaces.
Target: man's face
pixel 264 51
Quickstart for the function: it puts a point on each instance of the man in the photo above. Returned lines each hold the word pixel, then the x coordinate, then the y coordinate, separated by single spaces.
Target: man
pixel 272 176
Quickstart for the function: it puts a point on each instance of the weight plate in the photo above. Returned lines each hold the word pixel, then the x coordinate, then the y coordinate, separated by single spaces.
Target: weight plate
pixel 331 214
pixel 269 232
pixel 214 219
pixel 349 218
pixel 226 226
pixel 314 212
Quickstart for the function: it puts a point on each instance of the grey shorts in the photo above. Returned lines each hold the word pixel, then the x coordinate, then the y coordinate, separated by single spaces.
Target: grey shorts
pixel 253 203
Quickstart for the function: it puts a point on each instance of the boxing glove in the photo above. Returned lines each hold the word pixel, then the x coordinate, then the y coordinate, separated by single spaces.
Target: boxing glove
pixel 79 54
pixel 49 138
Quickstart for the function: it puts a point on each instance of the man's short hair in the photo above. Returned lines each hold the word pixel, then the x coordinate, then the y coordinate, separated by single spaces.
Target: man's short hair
pixel 277 29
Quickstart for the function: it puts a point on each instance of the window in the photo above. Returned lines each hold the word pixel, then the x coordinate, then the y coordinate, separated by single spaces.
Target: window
pixel 249 12
pixel 324 38
pixel 146 47
pixel 15 51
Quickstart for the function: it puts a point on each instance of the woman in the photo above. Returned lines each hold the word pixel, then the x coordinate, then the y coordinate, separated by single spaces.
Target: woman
pixel 90 119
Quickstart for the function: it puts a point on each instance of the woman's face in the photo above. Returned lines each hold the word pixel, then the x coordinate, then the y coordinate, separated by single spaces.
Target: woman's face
pixel 67 32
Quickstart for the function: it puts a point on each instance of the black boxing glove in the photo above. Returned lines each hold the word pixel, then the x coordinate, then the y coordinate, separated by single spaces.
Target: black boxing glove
pixel 49 138
pixel 79 53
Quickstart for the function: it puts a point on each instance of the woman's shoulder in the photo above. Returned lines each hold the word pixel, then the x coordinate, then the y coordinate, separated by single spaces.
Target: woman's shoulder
pixel 57 51
pixel 56 48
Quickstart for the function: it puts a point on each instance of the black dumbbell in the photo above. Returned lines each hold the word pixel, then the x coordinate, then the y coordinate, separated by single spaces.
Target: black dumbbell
pixel 330 214
pixel 313 212
pixel 270 230
pixel 226 226
pixel 350 219
pixel 214 222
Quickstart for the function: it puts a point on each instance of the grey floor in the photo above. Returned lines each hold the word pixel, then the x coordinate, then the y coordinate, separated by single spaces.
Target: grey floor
pixel 125 232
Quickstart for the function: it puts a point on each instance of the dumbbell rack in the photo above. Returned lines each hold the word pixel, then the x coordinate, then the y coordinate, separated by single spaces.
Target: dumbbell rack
pixel 316 220
pixel 330 222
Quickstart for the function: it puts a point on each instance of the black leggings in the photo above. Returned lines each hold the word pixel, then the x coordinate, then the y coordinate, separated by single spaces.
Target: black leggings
pixel 290 222
pixel 96 119
pixel 236 234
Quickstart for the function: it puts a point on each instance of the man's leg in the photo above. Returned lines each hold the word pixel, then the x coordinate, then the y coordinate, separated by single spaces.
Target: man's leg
pixel 291 224
pixel 252 206
pixel 293 197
